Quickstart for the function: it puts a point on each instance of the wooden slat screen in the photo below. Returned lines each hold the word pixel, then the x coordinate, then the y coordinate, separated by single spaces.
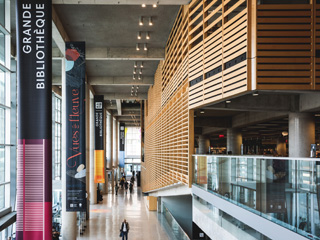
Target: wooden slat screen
pixel 284 47
pixel 317 45
pixel 166 135
pixel 217 50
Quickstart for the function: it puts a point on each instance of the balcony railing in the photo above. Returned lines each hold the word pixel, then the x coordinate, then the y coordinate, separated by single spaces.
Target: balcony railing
pixel 283 190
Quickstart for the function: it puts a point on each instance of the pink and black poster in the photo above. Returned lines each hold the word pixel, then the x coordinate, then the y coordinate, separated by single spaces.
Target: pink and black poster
pixel 34 72
pixel 75 127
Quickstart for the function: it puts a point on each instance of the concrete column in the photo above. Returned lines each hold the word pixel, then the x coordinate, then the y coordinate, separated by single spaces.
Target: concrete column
pixel 93 186
pixel 234 141
pixel 204 144
pixel 88 149
pixel 109 143
pixel 114 140
pixel 69 219
pixel 301 134
pixel 104 186
pixel 281 147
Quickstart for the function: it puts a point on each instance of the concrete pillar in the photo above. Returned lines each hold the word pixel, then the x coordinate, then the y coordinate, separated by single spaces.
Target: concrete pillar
pixel 93 186
pixel 301 134
pixel 104 186
pixel 234 141
pixel 109 144
pixel 69 219
pixel 281 147
pixel 88 149
pixel 204 144
pixel 114 140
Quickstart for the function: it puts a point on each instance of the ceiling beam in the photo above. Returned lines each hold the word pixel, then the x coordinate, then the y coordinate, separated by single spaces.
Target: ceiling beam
pixel 268 102
pixel 122 2
pixel 114 81
pixel 148 81
pixel 117 53
pixel 118 101
pixel 126 96
pixel 59 34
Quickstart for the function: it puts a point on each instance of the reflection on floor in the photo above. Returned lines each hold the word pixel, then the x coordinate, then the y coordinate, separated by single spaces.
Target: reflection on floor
pixel 106 217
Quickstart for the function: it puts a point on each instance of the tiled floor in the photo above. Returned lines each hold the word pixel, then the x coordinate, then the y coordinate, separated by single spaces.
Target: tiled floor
pixel 106 217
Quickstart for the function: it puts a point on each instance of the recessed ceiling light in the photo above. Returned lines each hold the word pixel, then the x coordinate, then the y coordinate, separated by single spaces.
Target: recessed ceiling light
pixel 143 5
pixel 139 35
pixel 150 21
pixel 134 77
pixel 255 94
pixel 154 5
pixel 134 71
pixel 228 101
pixel 145 47
pixel 147 35
pixel 140 71
pixel 139 77
pixel 135 64
pixel 141 21
pixel 202 111
pixel 137 47
pixel 141 65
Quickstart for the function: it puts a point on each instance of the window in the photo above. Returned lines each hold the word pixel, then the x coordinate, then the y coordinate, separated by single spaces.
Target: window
pixel 133 142
pixel 57 137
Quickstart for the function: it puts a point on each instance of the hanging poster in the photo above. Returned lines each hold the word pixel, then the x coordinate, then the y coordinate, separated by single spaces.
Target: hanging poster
pixel 34 163
pixel 121 147
pixel 99 154
pixel 75 127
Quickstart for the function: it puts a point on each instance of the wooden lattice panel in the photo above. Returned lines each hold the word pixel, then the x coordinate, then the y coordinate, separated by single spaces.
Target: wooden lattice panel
pixel 317 45
pixel 167 138
pixel 217 50
pixel 284 47
pixel 176 55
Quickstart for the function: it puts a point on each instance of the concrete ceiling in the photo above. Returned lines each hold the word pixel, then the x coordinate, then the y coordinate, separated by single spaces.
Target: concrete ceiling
pixel 110 29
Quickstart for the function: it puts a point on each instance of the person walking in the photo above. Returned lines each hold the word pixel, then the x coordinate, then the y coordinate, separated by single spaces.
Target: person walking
pixel 124 230
pixel 116 188
pixel 131 187
pixel 126 186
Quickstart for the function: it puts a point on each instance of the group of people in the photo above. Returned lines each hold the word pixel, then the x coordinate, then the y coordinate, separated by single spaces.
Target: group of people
pixel 125 185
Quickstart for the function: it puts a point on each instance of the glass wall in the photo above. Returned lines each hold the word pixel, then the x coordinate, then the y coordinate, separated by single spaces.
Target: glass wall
pixel 220 218
pixel 133 142
pixel 57 137
pixel 283 190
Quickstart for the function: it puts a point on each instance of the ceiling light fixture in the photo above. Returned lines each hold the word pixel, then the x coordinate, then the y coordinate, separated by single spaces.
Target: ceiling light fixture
pixel 134 71
pixel 143 5
pixel 135 64
pixel 154 5
pixel 147 35
pixel 134 77
pixel 139 77
pixel 141 65
pixel 140 71
pixel 145 47
pixel 228 101
pixel 202 111
pixel 137 47
pixel 255 94
pixel 137 87
pixel 150 21
pixel 131 94
pixel 139 35
pixel 141 21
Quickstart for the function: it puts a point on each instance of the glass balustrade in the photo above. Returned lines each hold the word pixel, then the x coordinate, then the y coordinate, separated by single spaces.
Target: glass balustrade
pixel 283 190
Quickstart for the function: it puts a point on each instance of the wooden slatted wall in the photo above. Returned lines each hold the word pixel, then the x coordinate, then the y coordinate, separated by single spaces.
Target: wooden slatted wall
pixel 284 47
pixel 317 44
pixel 217 50
pixel 167 137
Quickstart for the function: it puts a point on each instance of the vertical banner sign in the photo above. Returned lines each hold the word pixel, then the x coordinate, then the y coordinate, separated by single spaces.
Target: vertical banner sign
pixel 121 147
pixel 99 156
pixel 34 72
pixel 75 127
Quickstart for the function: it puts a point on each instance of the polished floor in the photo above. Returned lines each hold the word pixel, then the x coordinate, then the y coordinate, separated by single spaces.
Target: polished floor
pixel 106 217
